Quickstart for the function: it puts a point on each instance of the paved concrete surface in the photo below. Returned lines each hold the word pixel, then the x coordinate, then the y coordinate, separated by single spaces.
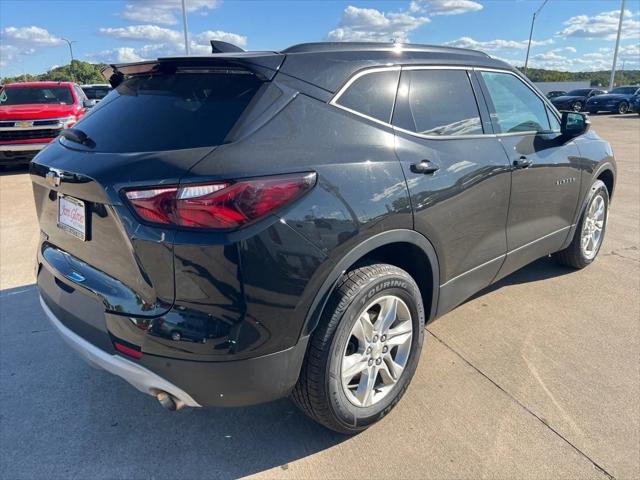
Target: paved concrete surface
pixel 536 377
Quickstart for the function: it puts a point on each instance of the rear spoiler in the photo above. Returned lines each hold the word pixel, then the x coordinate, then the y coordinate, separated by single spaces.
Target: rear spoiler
pixel 263 64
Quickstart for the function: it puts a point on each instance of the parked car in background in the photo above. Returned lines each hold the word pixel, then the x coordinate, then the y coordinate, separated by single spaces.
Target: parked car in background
pixel 230 229
pixel 555 93
pixel 34 113
pixel 617 101
pixel 575 99
pixel 634 105
pixel 96 91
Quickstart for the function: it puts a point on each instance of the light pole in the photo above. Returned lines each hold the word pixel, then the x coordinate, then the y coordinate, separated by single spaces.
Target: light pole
pixel 69 42
pixel 185 27
pixel 615 52
pixel 533 20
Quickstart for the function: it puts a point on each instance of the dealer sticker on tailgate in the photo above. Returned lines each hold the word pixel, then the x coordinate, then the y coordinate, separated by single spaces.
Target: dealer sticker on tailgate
pixel 72 216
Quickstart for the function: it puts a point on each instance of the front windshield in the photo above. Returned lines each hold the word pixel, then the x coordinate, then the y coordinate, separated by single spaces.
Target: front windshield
pixel 30 95
pixel 579 93
pixel 625 90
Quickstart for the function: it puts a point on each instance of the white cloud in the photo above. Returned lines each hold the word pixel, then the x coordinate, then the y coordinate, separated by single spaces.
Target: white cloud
pixel 498 44
pixel 162 42
pixel 444 7
pixel 149 33
pixel 369 24
pixel 165 12
pixel 19 41
pixel 204 37
pixel 29 36
pixel 603 26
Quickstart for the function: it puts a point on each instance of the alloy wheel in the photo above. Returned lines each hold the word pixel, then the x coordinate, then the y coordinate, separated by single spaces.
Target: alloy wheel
pixel 623 108
pixel 577 106
pixel 593 227
pixel 377 350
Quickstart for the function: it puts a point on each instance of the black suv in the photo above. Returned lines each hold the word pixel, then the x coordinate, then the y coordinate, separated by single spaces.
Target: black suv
pixel 231 229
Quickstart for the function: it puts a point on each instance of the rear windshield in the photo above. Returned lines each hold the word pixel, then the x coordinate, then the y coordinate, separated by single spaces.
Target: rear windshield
pixel 175 111
pixel 96 93
pixel 31 95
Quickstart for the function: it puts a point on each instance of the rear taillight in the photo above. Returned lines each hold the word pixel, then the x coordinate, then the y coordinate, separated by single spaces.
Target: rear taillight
pixel 219 205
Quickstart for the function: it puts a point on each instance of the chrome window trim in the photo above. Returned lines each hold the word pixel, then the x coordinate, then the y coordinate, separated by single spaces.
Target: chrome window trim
pixel 366 71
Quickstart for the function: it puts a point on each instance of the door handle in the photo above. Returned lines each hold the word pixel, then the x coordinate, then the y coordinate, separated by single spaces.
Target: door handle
pixel 522 162
pixel 425 167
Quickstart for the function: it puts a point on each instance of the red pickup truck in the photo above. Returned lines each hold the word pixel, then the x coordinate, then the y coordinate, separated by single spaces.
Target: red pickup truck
pixel 33 113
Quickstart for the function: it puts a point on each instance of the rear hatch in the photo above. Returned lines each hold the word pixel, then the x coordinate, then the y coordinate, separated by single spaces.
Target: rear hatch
pixel 160 120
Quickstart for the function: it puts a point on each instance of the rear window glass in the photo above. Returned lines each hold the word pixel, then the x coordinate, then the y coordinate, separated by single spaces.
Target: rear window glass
pixel 96 93
pixel 170 111
pixel 437 102
pixel 372 94
pixel 31 95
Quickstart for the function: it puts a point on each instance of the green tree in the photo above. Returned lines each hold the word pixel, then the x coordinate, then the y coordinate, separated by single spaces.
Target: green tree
pixel 79 71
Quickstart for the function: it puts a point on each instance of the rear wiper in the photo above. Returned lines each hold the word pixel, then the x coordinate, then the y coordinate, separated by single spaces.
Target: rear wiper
pixel 77 136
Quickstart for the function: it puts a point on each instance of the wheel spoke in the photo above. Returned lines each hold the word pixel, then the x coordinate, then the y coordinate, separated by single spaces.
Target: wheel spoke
pixel 400 334
pixel 363 329
pixel 364 392
pixel 353 365
pixel 388 314
pixel 394 369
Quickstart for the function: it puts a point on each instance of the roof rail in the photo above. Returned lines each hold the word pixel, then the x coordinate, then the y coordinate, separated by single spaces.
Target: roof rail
pixel 380 46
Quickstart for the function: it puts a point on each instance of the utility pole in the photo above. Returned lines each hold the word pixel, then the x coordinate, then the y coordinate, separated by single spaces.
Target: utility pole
pixel 69 42
pixel 185 27
pixel 615 52
pixel 533 20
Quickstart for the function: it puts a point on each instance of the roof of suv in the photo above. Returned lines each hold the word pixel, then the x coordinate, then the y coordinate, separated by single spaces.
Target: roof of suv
pixel 329 65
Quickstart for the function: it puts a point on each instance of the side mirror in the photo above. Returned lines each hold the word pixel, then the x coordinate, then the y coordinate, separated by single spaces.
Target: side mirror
pixel 574 124
pixel 89 103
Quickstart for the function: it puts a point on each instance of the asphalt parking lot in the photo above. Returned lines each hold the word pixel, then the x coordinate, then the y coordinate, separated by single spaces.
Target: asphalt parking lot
pixel 536 377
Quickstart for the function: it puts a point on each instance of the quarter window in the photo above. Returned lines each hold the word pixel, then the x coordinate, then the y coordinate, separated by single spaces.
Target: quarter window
pixel 515 107
pixel 437 102
pixel 372 95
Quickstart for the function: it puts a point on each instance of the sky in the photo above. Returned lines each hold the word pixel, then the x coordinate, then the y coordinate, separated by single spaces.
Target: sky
pixel 574 35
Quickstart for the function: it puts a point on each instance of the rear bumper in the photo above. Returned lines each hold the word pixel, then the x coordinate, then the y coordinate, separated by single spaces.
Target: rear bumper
pixel 23 147
pixel 218 384
pixel 19 153
pixel 143 379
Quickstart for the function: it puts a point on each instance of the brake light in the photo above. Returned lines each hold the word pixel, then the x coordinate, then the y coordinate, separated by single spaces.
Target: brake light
pixel 219 205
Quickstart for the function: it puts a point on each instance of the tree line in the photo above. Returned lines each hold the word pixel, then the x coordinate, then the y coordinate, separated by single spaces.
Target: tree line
pixel 78 71
pixel 597 79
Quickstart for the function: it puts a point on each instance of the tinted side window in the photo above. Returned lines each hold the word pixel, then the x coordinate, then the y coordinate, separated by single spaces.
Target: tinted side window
pixel 372 94
pixel 553 121
pixel 516 108
pixel 437 102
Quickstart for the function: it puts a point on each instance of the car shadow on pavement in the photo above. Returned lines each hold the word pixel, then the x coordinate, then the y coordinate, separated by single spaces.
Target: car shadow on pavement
pixel 542 269
pixel 7 171
pixel 88 423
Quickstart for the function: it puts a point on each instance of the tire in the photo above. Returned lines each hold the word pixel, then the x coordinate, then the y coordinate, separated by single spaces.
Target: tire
pixel 577 106
pixel 577 255
pixel 623 108
pixel 320 392
pixel 175 336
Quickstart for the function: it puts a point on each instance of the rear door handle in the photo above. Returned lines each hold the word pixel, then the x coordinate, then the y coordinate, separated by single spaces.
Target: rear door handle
pixel 522 162
pixel 425 167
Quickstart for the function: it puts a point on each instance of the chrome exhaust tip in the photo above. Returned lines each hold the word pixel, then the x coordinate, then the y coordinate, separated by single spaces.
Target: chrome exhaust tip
pixel 169 402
